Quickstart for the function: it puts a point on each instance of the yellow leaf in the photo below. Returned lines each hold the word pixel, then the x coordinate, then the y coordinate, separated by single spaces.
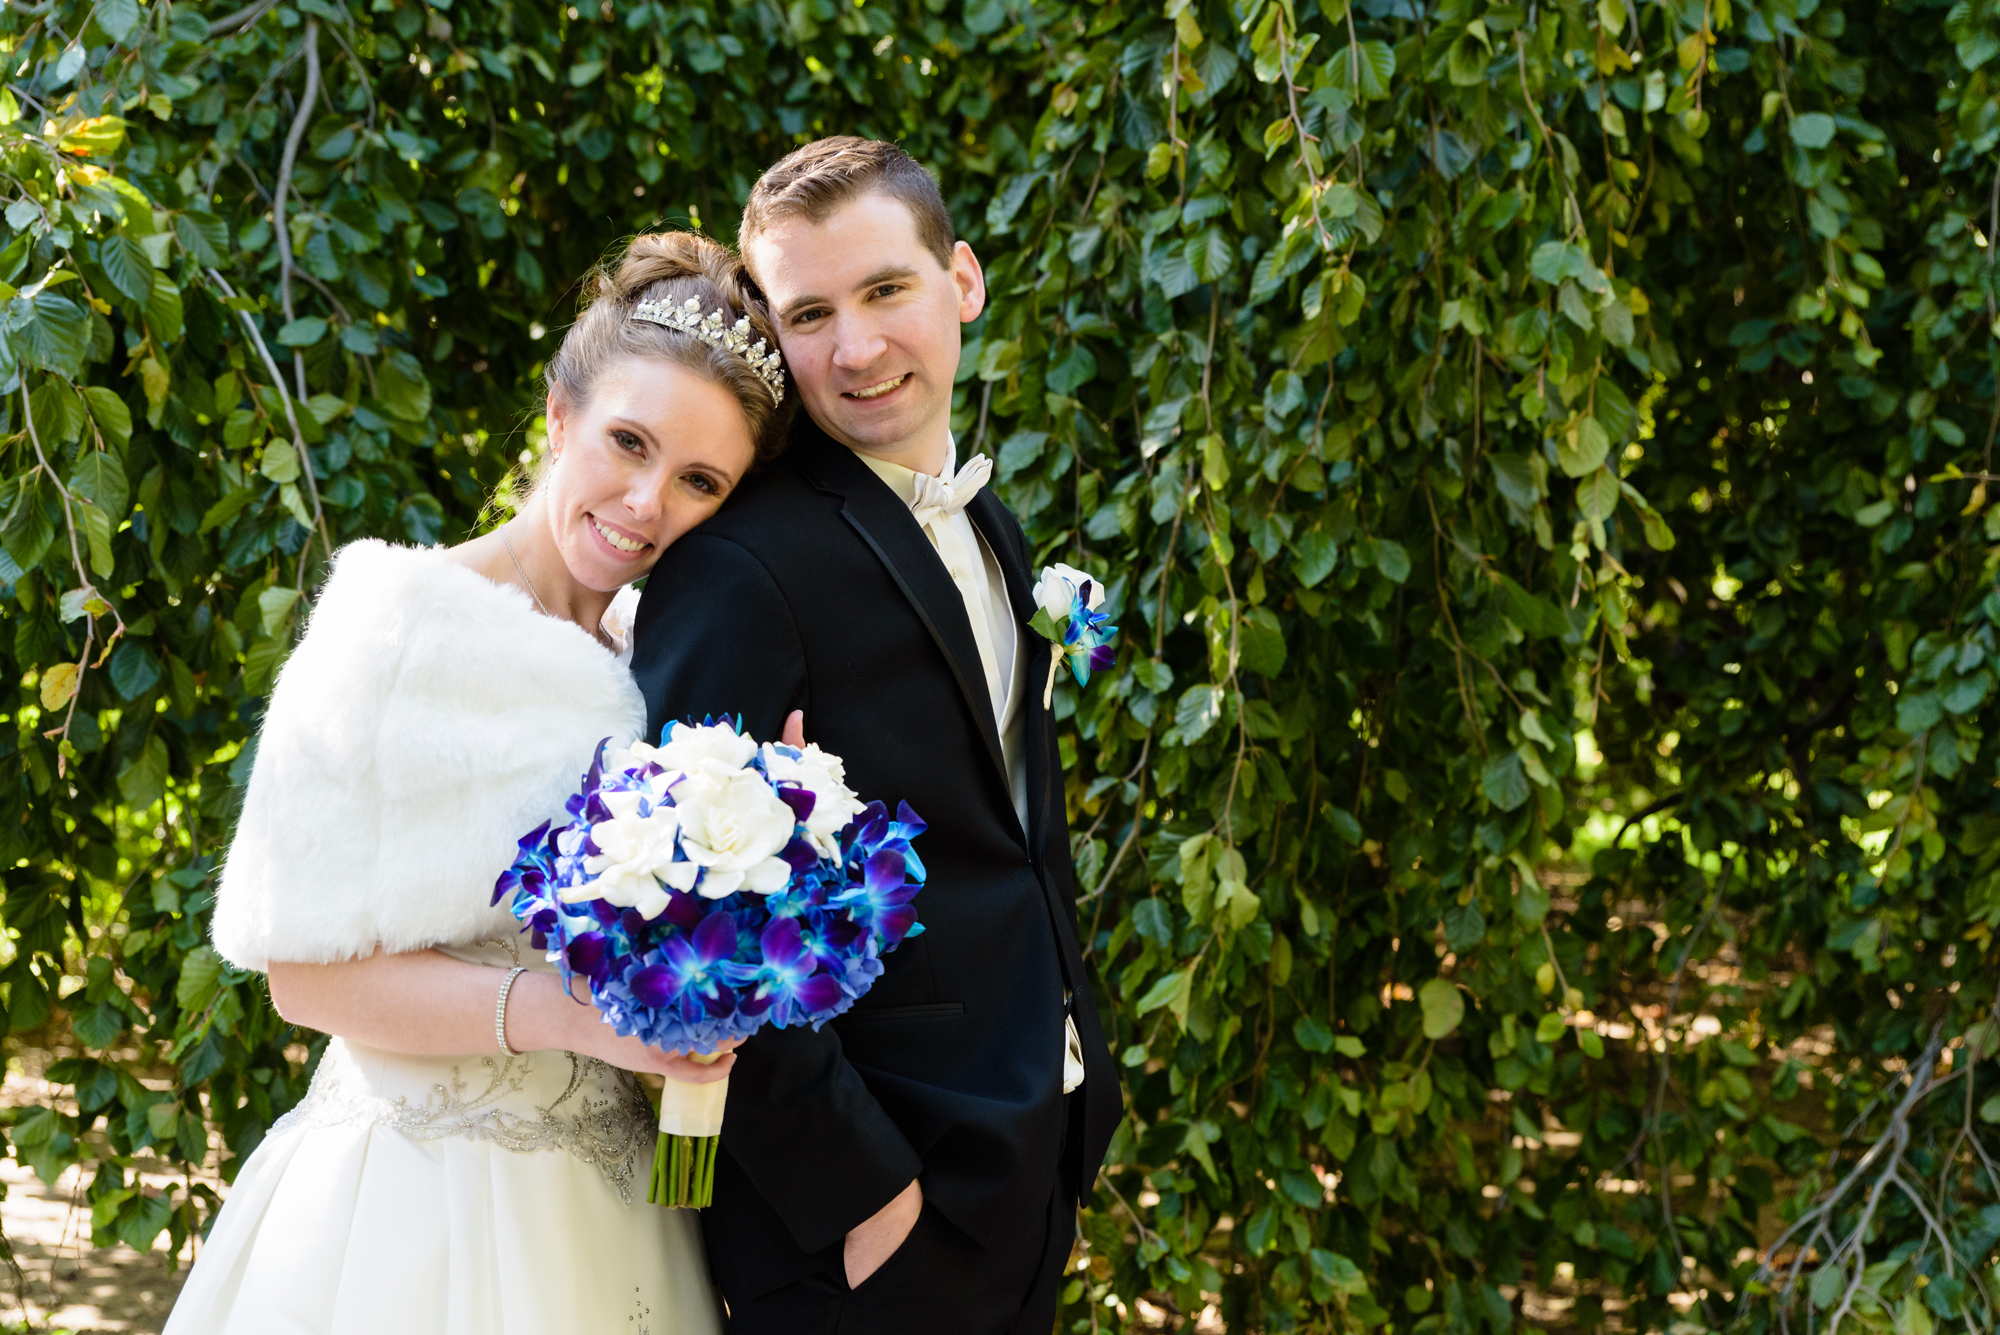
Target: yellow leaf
pixel 94 137
pixel 1187 30
pixel 59 684
pixel 153 374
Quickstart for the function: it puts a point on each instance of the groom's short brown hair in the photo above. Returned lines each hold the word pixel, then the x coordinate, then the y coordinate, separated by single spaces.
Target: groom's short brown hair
pixel 814 181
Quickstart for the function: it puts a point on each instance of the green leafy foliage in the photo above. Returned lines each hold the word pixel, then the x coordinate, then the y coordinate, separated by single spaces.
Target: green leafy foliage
pixel 1539 835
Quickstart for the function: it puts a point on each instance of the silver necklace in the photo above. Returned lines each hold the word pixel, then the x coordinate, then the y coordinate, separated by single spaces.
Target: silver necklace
pixel 523 574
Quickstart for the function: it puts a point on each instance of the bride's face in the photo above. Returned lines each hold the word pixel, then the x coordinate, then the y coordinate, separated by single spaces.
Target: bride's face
pixel 650 454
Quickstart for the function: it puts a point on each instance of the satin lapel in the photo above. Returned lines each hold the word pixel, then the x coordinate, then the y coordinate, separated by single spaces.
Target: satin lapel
pixel 886 525
pixel 990 518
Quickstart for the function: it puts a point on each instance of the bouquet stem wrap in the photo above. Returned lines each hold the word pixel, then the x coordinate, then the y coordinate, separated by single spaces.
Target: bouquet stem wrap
pixel 690 1133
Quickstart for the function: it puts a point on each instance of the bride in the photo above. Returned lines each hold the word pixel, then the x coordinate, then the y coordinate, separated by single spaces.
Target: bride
pixel 473 1154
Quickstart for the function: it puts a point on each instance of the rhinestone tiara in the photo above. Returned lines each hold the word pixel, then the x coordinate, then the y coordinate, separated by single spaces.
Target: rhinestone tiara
pixel 768 367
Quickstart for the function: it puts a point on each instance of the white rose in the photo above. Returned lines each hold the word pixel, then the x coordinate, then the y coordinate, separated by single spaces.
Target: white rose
pixel 687 746
pixel 734 826
pixel 634 853
pixel 824 775
pixel 1057 589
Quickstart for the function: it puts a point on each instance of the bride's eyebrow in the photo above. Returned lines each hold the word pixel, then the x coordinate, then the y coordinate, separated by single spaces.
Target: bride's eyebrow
pixel 636 428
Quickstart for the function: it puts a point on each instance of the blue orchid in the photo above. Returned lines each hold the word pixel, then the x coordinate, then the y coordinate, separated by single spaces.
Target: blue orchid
pixel 788 981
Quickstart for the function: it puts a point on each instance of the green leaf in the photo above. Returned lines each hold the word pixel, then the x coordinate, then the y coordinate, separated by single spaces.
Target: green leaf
pixel 226 509
pixel 1312 1035
pixel 1314 558
pixel 1515 475
pixel 261 664
pixel 1554 261
pixel 404 390
pixel 99 478
pixel 1465 65
pixel 303 333
pixel 1583 448
pixel 1263 642
pixel 274 608
pixel 1504 782
pixel 164 312
pixel 143 778
pixel 1812 130
pixel 1364 70
pixel 1392 560
pixel 113 418
pixel 119 19
pixel 1597 495
pixel 134 670
pixel 280 462
pixel 1166 990
pixel 1443 1007
pixel 127 265
pixel 1338 1273
pixel 201 970
pixel 1199 708
pixel 98 528
pixel 204 236
pixel 58 335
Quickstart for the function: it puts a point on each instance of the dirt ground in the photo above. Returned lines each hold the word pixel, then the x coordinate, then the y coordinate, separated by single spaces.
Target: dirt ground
pixel 66 1284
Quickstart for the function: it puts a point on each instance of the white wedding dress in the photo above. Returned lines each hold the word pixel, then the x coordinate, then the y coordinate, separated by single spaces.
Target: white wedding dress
pixel 484 1194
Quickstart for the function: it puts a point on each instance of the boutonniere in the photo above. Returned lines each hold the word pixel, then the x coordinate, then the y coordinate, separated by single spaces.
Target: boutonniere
pixel 1069 620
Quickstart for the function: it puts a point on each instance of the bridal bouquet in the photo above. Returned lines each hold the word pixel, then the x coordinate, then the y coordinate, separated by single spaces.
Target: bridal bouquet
pixel 707 887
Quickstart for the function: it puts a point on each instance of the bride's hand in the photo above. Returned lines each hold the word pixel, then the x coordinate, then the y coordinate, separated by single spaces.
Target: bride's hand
pixel 795 728
pixel 633 1055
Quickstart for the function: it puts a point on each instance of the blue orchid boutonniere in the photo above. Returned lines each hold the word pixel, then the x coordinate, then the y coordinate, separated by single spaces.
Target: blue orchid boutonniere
pixel 1068 618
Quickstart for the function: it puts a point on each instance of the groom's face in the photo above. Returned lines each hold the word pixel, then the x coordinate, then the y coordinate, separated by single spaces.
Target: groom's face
pixel 869 323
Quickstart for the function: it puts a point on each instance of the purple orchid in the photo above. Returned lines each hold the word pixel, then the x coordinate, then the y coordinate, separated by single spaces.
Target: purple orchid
pixel 789 978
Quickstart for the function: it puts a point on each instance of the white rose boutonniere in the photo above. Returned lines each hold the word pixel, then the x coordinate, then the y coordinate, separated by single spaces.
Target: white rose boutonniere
pixel 1066 616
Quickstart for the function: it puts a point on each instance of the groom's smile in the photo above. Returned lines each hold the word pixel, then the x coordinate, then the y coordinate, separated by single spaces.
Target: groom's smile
pixel 877 391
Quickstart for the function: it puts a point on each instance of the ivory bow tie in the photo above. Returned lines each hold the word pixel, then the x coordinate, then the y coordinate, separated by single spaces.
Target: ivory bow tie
pixel 937 498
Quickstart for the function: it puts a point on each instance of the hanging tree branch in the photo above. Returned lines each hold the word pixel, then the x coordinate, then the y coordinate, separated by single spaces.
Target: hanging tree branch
pixel 300 120
pixel 291 414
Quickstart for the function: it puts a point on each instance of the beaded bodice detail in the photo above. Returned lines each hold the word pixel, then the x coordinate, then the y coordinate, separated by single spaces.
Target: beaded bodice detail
pixel 525 1104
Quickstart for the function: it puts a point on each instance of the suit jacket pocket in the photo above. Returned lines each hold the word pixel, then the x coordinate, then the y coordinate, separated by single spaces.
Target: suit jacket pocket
pixel 937 1010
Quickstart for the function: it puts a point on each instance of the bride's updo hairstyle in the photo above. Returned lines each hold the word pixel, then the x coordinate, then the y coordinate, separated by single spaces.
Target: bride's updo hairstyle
pixel 669 268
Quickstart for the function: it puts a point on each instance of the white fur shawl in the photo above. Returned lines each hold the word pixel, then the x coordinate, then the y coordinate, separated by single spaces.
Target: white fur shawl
pixel 427 721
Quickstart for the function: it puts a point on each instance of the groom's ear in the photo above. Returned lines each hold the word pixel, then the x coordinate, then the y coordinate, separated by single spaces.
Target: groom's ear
pixel 970 279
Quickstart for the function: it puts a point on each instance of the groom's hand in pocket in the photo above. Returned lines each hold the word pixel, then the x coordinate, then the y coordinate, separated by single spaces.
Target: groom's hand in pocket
pixel 875 1239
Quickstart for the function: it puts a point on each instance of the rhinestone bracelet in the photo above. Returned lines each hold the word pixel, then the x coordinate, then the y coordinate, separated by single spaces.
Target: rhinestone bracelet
pixel 500 1010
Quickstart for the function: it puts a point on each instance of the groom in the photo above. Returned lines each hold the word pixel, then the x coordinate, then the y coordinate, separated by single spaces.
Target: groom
pixel 916 1165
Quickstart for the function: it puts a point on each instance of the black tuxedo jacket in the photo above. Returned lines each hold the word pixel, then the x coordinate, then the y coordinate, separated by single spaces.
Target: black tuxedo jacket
pixel 813 588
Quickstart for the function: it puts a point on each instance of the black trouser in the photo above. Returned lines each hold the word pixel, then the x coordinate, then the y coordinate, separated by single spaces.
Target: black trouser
pixel 939 1282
